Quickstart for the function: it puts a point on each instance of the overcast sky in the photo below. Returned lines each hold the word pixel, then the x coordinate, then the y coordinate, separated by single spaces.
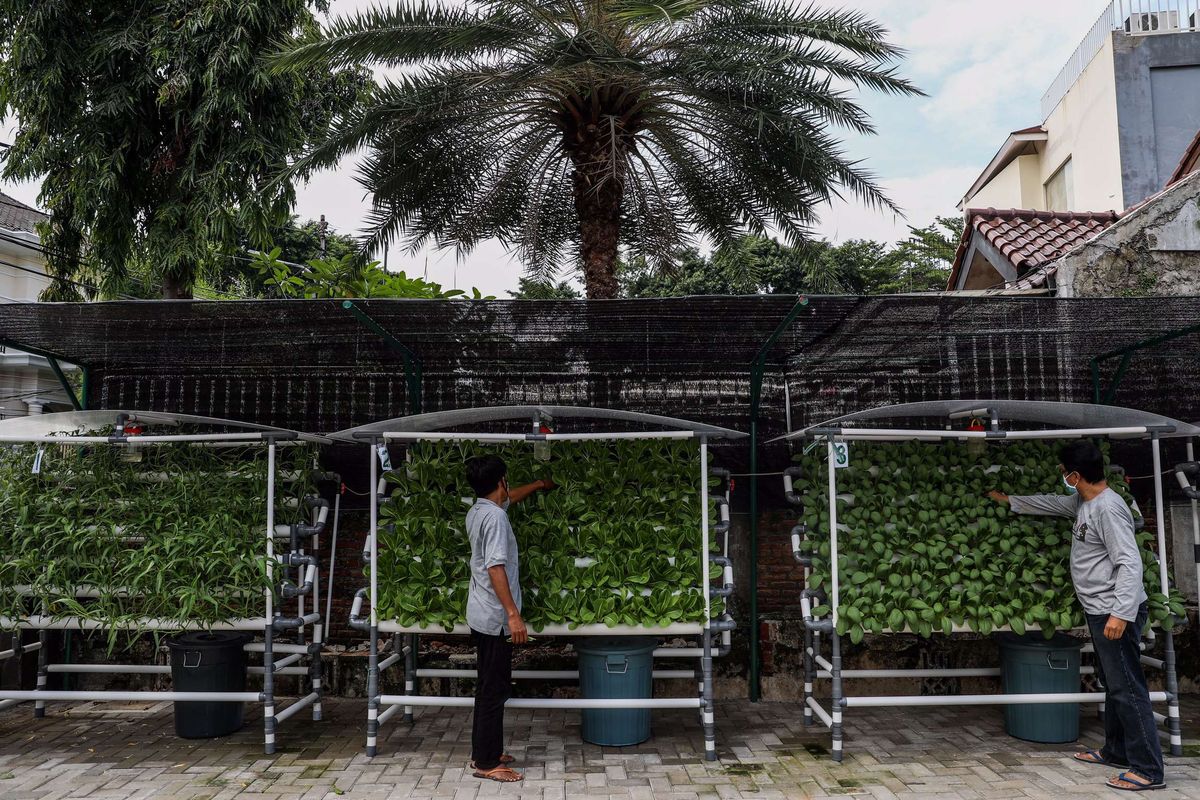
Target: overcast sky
pixel 984 65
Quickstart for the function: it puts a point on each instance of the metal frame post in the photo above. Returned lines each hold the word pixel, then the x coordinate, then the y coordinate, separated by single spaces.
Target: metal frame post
pixel 373 655
pixel 1173 724
pixel 269 631
pixel 835 659
pixel 710 735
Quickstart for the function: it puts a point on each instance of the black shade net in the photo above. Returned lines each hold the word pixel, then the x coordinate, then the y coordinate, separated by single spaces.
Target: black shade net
pixel 315 366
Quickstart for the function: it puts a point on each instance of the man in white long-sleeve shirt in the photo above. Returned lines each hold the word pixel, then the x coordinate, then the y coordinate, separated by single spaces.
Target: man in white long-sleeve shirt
pixel 1106 568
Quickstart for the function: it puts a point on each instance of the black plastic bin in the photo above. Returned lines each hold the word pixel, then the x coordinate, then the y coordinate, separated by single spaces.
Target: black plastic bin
pixel 208 662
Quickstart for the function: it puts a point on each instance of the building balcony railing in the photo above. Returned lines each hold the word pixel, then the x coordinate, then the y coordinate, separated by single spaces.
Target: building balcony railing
pixel 1134 18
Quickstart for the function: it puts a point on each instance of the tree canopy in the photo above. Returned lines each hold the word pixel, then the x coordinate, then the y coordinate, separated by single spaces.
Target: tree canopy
pixel 571 128
pixel 158 130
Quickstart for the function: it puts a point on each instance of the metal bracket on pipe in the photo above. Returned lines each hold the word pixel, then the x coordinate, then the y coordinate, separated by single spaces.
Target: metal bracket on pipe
pixel 789 493
pixel 1182 473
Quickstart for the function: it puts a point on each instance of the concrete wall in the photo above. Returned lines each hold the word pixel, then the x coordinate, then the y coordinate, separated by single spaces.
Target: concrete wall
pixel 26 382
pixel 1083 128
pixel 1153 251
pixel 1155 107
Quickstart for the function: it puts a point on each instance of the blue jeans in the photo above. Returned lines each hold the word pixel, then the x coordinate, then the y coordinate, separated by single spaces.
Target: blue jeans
pixel 1130 734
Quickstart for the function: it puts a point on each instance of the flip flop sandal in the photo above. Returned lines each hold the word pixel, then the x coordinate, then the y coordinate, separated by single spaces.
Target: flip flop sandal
pixel 500 775
pixel 1134 785
pixel 505 760
pixel 1094 757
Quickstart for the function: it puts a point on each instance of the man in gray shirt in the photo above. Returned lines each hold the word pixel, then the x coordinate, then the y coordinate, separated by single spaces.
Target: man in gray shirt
pixel 494 609
pixel 1106 568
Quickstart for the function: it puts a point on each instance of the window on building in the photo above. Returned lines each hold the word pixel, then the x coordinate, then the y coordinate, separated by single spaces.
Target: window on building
pixel 1060 189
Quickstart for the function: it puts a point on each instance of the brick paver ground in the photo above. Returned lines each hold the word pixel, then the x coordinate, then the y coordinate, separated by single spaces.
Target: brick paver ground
pixel 766 752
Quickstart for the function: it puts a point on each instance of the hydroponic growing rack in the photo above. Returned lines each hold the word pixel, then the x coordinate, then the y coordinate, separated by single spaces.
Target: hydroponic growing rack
pixel 290 566
pixel 497 427
pixel 1007 420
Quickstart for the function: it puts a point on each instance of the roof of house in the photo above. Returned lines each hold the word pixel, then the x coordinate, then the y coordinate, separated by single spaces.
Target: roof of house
pixel 1028 239
pixel 1018 143
pixel 16 216
pixel 1189 163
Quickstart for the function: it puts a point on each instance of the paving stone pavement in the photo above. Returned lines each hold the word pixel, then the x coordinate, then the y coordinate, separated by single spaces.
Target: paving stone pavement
pixel 85 753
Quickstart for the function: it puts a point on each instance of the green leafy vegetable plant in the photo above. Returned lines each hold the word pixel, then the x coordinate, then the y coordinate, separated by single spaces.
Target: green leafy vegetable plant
pixel 118 534
pixel 921 548
pixel 618 543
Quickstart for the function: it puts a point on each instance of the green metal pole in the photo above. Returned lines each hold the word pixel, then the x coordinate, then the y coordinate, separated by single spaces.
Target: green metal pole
pixel 757 371
pixel 412 363
pixel 66 385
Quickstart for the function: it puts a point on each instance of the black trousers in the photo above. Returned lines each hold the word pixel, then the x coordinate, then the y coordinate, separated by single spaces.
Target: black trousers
pixel 1130 733
pixel 492 689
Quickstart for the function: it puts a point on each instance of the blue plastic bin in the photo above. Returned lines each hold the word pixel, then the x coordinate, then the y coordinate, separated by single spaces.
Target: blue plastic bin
pixel 616 667
pixel 1032 664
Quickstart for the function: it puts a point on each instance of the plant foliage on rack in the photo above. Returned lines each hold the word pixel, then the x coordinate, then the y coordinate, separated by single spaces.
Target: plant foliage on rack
pixel 618 542
pixel 165 531
pixel 921 548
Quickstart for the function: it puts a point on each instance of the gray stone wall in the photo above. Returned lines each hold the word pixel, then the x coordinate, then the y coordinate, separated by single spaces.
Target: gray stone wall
pixel 1153 251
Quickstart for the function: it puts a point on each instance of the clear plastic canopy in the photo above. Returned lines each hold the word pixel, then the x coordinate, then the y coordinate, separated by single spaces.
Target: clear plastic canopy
pixel 65 424
pixel 1068 418
pixel 474 417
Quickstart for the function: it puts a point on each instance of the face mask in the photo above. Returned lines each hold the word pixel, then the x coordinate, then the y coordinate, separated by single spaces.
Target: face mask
pixel 1070 489
pixel 507 498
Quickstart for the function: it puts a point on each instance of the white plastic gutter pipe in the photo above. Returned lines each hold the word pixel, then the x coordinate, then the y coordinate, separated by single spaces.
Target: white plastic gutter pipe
pixel 388 713
pixel 277 647
pixel 280 671
pixel 985 699
pixel 389 661
pixel 544 702
pixel 105 669
pixel 599 629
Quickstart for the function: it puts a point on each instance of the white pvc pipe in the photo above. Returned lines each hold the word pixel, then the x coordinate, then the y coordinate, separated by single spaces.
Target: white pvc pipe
pixel 985 699
pixel 337 507
pixel 546 702
pixel 287 661
pixel 28 648
pixel 388 713
pixel 584 437
pixel 982 672
pixel 277 647
pixel 822 662
pixel 1160 515
pixel 269 592
pixel 704 580
pixel 373 597
pixel 833 531
pixel 281 671
pixel 1191 456
pixel 547 674
pixel 113 669
pixel 132 697
pixel 10 703
pixel 303 702
pixel 676 629
pixel 389 661
pixel 824 715
pixel 46 623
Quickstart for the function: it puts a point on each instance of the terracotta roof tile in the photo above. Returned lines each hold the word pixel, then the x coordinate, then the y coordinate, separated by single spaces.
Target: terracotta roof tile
pixel 1029 239
pixel 16 216
pixel 1189 163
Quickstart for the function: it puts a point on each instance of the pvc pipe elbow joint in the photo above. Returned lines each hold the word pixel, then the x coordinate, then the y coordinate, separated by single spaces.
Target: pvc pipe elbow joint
pixel 1182 473
pixel 789 476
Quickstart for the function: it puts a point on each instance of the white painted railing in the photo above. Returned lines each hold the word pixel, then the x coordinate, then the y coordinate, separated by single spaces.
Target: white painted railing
pixel 1133 17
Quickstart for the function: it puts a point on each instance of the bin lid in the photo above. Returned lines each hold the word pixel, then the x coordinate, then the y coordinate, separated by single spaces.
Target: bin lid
pixel 615 645
pixel 201 640
pixel 1036 641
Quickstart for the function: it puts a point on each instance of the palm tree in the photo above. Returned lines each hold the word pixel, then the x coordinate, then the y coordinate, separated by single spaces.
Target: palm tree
pixel 570 128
